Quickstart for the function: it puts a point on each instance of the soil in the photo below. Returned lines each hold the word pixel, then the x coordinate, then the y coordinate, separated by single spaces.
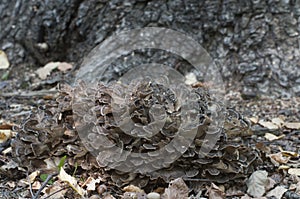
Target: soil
pixel 19 100
pixel 255 46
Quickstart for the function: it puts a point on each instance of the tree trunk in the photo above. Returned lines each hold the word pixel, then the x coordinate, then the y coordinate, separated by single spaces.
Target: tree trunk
pixel 255 43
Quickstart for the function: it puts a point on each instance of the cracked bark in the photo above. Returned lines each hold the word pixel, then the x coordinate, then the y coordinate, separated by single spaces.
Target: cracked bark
pixel 255 43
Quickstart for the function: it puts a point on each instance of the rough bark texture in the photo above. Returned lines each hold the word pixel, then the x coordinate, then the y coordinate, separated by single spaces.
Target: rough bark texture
pixel 255 43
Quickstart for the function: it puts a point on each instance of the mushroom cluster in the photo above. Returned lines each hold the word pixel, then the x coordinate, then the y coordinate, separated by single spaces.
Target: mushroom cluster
pixel 139 132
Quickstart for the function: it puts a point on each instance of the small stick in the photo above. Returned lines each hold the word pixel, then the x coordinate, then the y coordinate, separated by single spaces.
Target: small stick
pixel 49 177
pixel 29 93
pixel 197 179
pixel 30 186
pixel 55 192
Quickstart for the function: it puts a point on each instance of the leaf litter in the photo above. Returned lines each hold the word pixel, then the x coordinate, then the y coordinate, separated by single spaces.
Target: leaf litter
pixel 285 126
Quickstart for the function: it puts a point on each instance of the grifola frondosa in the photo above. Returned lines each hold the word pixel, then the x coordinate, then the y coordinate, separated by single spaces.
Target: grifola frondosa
pixel 139 132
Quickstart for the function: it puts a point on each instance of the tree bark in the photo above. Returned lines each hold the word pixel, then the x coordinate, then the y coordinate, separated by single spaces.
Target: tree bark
pixel 255 43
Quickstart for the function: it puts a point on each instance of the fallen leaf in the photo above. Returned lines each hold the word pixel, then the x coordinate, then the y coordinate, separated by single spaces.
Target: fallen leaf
pixel 256 183
pixel 290 154
pixel 132 188
pixel 283 167
pixel 36 185
pixel 177 189
pixel 295 187
pixel 292 125
pixel 261 146
pixel 234 191
pixel 47 69
pixel 64 66
pixel 270 183
pixel 254 119
pixel 268 125
pixel 277 192
pixel 215 192
pixel 9 165
pixel 11 184
pixel 33 175
pixel 5 135
pixel 63 176
pixel 278 158
pixel 7 150
pixel 159 190
pixel 90 183
pixel 51 163
pixel 6 126
pixel 4 63
pixel 294 171
pixel 272 137
pixel 278 121
pixel 55 189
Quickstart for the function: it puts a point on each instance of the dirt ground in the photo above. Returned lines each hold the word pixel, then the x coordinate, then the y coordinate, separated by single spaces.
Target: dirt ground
pixel 275 126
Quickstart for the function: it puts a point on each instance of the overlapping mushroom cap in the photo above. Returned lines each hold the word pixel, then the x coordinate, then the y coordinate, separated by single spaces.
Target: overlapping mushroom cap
pixel 139 132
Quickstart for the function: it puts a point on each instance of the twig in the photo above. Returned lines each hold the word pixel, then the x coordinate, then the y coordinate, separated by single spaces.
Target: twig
pixel 55 192
pixel 20 114
pixel 49 177
pixel 30 187
pixel 197 179
pixel 29 93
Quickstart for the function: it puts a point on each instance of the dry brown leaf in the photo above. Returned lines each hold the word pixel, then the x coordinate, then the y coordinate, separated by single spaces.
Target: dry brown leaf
pixel 254 119
pixel 7 151
pixel 5 134
pixel 51 163
pixel 295 188
pixel 283 167
pixel 9 165
pixel 278 158
pixel 64 66
pixel 11 184
pixel 261 146
pixel 234 191
pixel 294 171
pixel 33 175
pixel 270 183
pixel 269 125
pixel 36 185
pixel 54 188
pixel 90 183
pixel 272 137
pixel 132 188
pixel 256 183
pixel 4 63
pixel 215 192
pixel 63 176
pixel 177 189
pixel 278 121
pixel 292 125
pixel 47 69
pixel 6 126
pixel 290 154
pixel 277 192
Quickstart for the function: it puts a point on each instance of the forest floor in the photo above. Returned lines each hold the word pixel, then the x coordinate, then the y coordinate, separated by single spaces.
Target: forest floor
pixel 275 125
